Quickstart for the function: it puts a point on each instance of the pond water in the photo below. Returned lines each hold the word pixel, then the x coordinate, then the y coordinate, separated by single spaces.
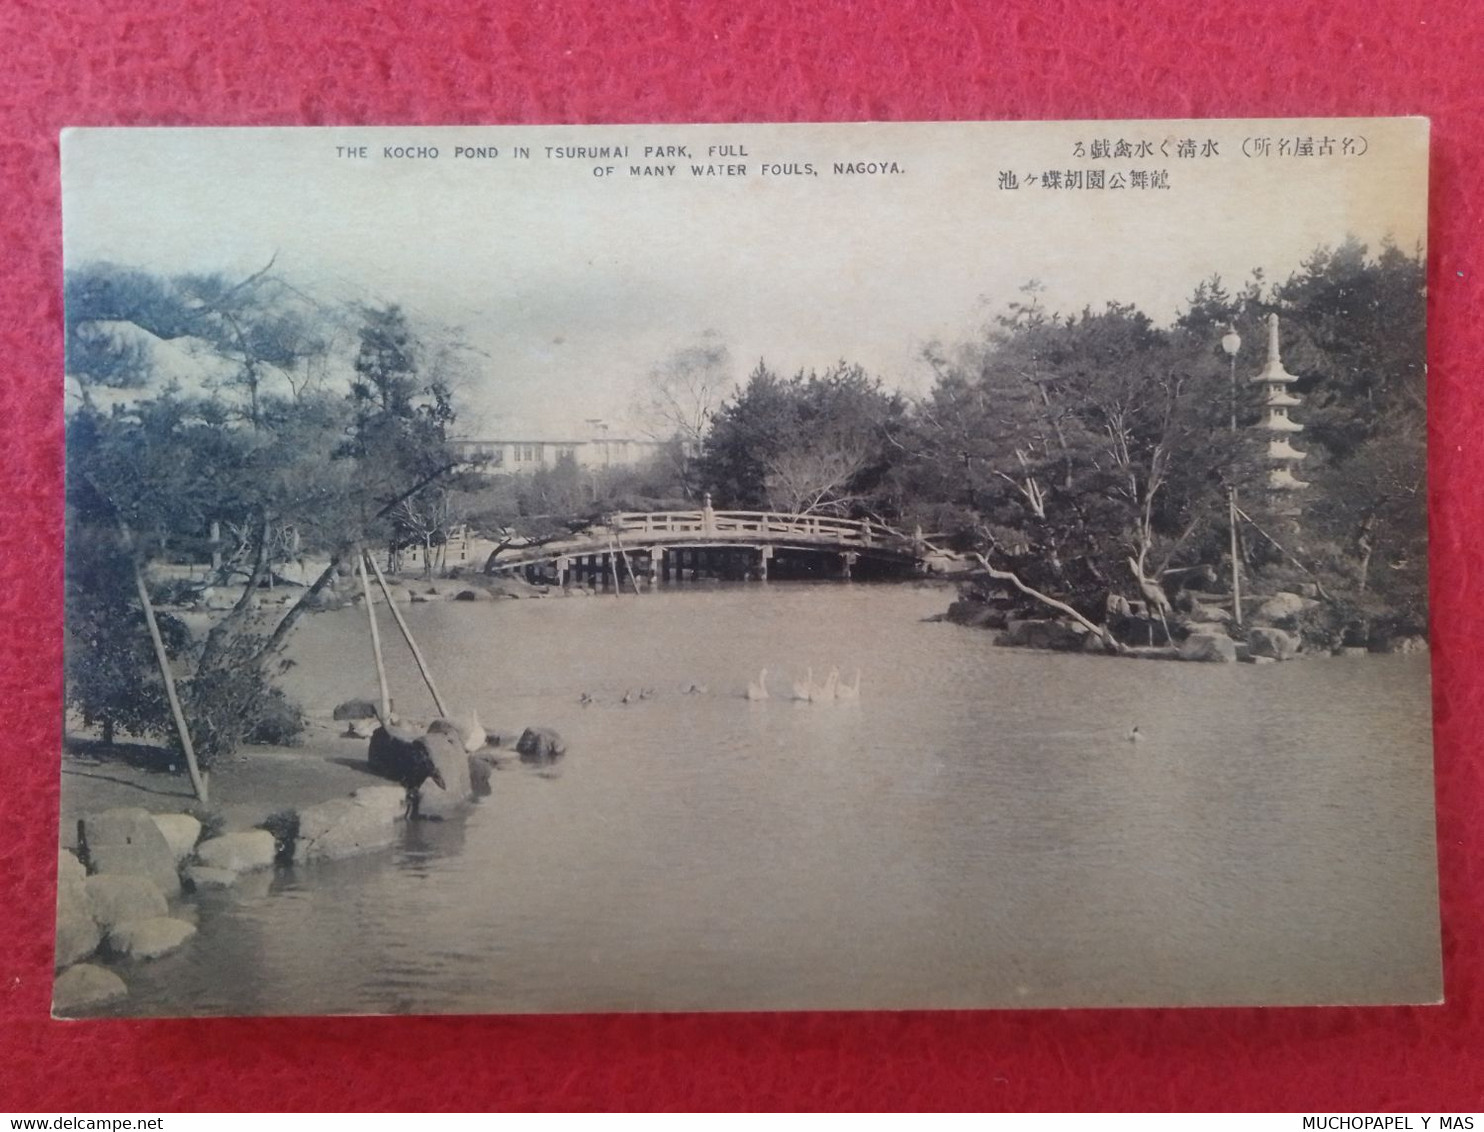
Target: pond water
pixel 977 830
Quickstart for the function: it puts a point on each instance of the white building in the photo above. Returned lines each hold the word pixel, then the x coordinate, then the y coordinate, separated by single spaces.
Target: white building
pixel 529 455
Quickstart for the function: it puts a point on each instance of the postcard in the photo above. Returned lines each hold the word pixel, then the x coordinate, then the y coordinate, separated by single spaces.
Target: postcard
pixel 866 566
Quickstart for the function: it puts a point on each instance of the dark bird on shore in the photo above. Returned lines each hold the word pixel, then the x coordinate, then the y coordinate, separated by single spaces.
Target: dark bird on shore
pixel 697 690
pixel 406 762
pixel 628 697
pixel 420 769
pixel 586 700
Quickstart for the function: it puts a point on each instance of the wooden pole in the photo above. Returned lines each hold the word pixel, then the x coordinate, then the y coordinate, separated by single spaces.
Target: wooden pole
pixel 629 569
pixel 417 655
pixel 1231 499
pixel 613 565
pixel 1318 585
pixel 198 780
pixel 386 697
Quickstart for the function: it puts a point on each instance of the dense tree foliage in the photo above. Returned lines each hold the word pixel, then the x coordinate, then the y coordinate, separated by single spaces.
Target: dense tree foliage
pixel 235 468
pixel 1094 454
pixel 810 444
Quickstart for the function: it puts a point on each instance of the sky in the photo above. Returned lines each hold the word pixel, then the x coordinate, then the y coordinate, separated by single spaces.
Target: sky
pixel 572 275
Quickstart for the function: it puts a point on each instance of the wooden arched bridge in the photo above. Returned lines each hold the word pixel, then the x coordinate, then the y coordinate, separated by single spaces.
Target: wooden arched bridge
pixel 666 546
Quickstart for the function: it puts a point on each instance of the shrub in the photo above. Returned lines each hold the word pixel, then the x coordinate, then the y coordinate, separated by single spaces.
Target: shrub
pixel 235 702
pixel 284 826
pixel 280 722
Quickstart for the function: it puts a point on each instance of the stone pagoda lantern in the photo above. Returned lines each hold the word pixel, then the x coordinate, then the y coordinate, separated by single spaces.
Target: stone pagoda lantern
pixel 1277 400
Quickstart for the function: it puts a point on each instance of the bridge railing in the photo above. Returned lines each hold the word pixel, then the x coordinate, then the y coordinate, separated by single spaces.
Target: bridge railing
pixel 821 528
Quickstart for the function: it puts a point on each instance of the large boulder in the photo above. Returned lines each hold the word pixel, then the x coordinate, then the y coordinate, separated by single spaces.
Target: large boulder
pixel 78 934
pixel 540 746
pixel 1206 628
pixel 1200 613
pixel 467 730
pixel 1283 608
pixel 452 761
pixel 114 899
pixel 69 868
pixel 1209 647
pixel 1099 645
pixel 976 615
pixel 345 827
pixel 355 709
pixel 1274 643
pixel 181 832
pixel 1407 646
pixel 482 766
pixel 149 939
pixel 1058 636
pixel 239 852
pixel 204 879
pixel 128 842
pixel 386 801
pixel 83 986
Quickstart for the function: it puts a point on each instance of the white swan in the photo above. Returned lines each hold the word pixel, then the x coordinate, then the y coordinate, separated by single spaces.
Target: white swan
pixel 472 732
pixel 804 689
pixel 1134 735
pixel 826 691
pixel 759 689
pixel 845 691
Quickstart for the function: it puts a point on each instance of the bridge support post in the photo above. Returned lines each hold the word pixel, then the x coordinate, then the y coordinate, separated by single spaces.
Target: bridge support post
pixel 764 556
pixel 847 562
pixel 563 569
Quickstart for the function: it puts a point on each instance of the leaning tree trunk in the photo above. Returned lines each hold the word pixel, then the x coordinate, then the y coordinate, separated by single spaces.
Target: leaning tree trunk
pixel 1100 631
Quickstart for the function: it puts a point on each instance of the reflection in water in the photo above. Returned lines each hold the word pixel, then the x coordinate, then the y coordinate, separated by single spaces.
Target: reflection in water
pixel 975 829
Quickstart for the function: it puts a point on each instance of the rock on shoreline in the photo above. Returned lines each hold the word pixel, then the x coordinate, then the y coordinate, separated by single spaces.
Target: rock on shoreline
pixel 117 898
pixel 1203 633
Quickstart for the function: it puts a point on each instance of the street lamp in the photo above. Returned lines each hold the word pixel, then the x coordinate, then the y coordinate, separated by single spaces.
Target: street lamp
pixel 1231 342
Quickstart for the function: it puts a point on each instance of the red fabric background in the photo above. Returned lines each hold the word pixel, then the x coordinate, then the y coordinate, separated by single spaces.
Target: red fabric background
pixel 425 61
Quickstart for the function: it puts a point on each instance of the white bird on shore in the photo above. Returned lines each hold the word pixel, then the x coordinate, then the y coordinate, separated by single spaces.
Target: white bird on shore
pixel 830 685
pixel 473 732
pixel 758 690
pixel 1134 736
